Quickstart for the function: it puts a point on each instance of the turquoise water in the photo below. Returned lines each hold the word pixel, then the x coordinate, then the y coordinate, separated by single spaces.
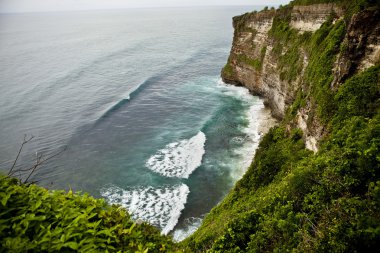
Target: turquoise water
pixel 136 99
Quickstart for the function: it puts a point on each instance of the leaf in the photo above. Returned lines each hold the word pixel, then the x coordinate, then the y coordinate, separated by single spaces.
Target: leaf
pixel 131 228
pixel 72 245
pixel 38 204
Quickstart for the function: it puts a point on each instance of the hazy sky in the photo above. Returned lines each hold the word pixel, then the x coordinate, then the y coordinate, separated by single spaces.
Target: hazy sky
pixel 50 5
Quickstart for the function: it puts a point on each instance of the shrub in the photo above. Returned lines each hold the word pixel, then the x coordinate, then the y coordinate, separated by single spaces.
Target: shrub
pixel 33 219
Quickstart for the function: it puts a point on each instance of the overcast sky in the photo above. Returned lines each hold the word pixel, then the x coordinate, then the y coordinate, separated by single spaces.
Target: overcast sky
pixel 59 5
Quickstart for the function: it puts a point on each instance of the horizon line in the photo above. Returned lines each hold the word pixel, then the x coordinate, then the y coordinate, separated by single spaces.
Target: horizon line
pixel 132 8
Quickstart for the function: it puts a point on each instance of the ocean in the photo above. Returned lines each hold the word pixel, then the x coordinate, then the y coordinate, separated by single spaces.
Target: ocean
pixel 135 100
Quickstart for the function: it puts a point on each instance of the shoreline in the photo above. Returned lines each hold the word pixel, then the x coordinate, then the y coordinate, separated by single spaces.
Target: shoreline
pixel 260 119
pixel 268 121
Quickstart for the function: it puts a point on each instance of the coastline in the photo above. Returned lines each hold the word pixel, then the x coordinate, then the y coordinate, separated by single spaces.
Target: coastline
pixel 260 121
pixel 267 121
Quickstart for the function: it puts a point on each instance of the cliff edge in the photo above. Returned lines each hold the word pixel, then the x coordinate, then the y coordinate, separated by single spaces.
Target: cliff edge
pixel 314 183
pixel 273 50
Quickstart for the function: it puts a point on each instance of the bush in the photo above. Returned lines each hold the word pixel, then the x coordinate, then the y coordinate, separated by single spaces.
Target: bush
pixel 33 219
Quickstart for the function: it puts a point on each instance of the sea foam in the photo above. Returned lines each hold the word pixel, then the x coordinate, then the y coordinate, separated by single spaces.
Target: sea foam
pixel 159 206
pixel 179 159
pixel 192 224
pixel 256 114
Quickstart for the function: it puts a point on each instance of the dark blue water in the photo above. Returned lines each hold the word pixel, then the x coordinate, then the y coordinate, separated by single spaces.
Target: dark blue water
pixel 136 98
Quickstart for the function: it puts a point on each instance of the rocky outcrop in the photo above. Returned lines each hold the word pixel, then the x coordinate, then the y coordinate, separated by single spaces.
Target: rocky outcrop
pixel 258 57
pixel 361 46
pixel 309 18
pixel 250 63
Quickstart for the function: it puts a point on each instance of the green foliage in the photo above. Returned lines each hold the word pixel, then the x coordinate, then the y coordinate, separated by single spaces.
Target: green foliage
pixel 325 44
pixel 239 22
pixel 237 235
pixel 321 49
pixel 262 52
pixel 278 150
pixel 359 96
pixel 228 71
pixel 362 3
pixel 290 62
pixel 33 219
pixel 350 6
pixel 299 102
pixel 291 200
pixel 280 30
pixel 255 63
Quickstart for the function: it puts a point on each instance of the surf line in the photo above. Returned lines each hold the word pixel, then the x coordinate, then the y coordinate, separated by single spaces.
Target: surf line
pixel 159 206
pixel 179 159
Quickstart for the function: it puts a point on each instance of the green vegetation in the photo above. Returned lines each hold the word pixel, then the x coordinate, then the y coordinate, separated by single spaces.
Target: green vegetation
pixel 350 6
pixel 324 46
pixel 321 49
pixel 228 70
pixel 33 219
pixel 285 37
pixel 291 199
pixel 255 63
pixel 362 3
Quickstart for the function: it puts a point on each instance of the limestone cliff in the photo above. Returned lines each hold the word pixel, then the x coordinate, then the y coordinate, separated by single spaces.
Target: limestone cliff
pixel 316 62
pixel 272 52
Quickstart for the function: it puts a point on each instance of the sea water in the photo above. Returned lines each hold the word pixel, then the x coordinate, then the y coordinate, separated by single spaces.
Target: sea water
pixel 135 100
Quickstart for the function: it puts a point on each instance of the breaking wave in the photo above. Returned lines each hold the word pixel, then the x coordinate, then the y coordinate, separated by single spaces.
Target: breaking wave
pixel 159 206
pixel 136 91
pixel 192 224
pixel 179 159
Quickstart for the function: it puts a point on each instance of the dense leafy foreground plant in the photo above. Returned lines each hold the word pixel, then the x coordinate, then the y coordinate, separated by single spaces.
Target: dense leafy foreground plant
pixel 34 219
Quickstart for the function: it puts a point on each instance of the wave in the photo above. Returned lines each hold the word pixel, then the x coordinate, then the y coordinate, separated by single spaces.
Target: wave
pixel 87 67
pixel 256 115
pixel 136 91
pixel 153 79
pixel 179 159
pixel 192 224
pixel 160 206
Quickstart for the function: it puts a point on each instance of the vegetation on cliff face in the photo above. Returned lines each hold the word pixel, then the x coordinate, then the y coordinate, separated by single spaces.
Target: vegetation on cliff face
pixel 291 199
pixel 33 219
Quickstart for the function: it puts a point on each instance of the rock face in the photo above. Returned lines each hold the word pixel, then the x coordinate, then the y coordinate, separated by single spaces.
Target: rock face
pixel 250 63
pixel 257 58
pixel 309 18
pixel 362 42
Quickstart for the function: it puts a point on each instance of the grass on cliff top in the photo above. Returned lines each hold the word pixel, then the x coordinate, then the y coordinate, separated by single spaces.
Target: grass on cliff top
pixel 345 3
pixel 350 7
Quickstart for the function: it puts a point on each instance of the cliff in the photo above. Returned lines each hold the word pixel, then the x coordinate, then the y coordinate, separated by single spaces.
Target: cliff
pixel 316 62
pixel 276 66
pixel 314 183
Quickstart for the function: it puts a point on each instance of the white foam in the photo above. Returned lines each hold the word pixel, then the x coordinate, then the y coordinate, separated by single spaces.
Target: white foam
pixel 256 115
pixel 236 91
pixel 179 159
pixel 192 224
pixel 161 206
